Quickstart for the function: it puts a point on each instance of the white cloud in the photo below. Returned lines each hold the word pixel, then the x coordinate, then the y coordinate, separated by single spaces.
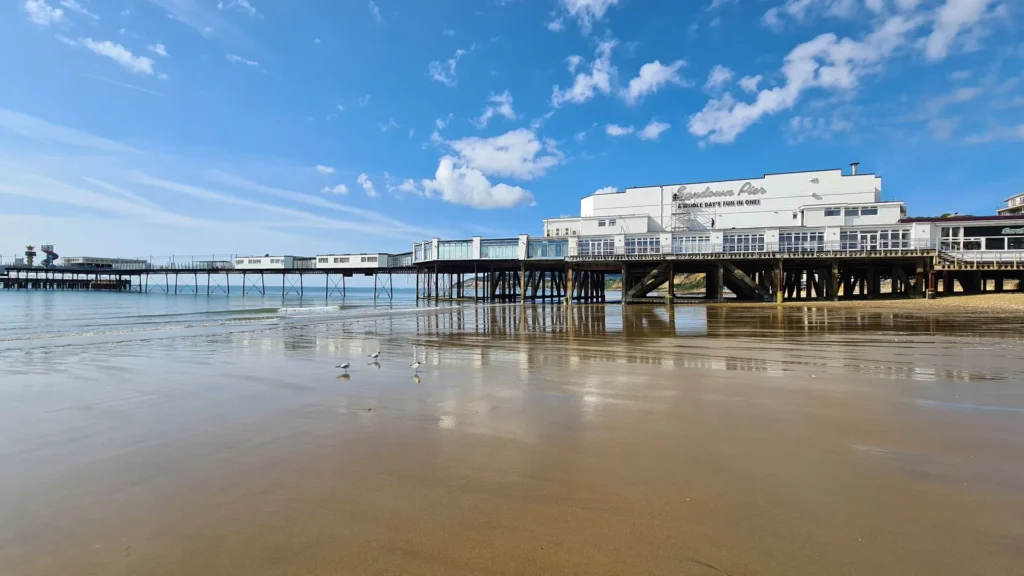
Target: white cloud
pixel 76 7
pixel 943 128
pixel 996 134
pixel 448 32
pixel 501 105
pixel 716 4
pixel 950 19
pixel 316 40
pixel 65 40
pixel 407 186
pixel 653 130
pixel 580 136
pixel 236 59
pixel 375 11
pixel 538 123
pixel 340 108
pixel 597 79
pixel 241 5
pixel 717 77
pixel 445 73
pixel 158 49
pixel 800 128
pixel 339 189
pixel 388 125
pixel 800 10
pixel 516 154
pixel 324 169
pixel 606 190
pixel 556 25
pixel 456 183
pixel 587 12
pixel 443 122
pixel 651 78
pixel 162 76
pixel 749 83
pixel 363 101
pixel 41 13
pixel 121 55
pixel 616 130
pixel 364 181
pixel 825 62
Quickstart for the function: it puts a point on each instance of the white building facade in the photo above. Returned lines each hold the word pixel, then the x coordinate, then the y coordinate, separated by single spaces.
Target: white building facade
pixel 791 212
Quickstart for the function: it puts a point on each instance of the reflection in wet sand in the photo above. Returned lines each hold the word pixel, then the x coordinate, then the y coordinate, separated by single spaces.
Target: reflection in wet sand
pixel 534 440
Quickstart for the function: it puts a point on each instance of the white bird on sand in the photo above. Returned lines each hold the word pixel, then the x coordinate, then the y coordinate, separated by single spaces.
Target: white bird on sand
pixel 344 366
pixel 416 366
pixel 375 355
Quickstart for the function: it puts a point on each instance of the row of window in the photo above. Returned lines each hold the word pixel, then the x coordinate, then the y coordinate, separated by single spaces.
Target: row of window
pixel 743 242
pixel 596 246
pixel 567 231
pixel 643 245
pixel 874 239
pixel 801 241
pixel 1014 243
pixel 603 223
pixel 865 211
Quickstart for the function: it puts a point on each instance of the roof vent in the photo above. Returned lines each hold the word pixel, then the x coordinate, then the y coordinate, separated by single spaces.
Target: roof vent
pixel 853 167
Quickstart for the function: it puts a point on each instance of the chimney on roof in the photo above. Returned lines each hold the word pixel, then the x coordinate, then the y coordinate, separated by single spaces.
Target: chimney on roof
pixel 853 167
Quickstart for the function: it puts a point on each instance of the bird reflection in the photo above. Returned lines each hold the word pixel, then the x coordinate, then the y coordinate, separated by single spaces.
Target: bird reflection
pixel 345 376
pixel 375 364
pixel 416 378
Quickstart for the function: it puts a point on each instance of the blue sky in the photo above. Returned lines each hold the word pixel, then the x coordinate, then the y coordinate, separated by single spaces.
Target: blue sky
pixel 157 127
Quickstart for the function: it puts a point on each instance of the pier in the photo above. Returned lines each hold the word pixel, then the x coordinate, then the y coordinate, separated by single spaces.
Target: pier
pixel 527 269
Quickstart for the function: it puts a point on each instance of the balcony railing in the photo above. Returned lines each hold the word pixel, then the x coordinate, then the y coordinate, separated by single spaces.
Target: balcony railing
pixel 772 248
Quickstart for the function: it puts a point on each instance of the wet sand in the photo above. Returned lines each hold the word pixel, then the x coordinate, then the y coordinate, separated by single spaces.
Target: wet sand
pixel 692 441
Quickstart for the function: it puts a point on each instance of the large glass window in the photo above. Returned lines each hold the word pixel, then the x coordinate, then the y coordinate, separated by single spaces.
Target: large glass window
pixel 597 246
pixel 643 245
pixel 995 243
pixel 801 241
pixel 870 211
pixel 455 250
pixel 833 212
pixel 547 248
pixel 691 244
pixel 743 242
pixel 500 249
pixel 1015 243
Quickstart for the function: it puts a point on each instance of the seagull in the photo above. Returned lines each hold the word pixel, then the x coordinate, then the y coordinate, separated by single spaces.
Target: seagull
pixel 344 366
pixel 375 355
pixel 416 366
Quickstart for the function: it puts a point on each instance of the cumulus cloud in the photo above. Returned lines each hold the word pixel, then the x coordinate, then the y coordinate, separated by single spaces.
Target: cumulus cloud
pixel 587 12
pixel 385 126
pixel 616 130
pixel 158 49
pixel 556 25
pixel 597 78
pixel 76 7
pixel 324 169
pixel 457 183
pixel 717 77
pixel 375 12
pixel 653 130
pixel 405 186
pixel 121 55
pixel 951 19
pixel 800 10
pixel 364 181
pixel 445 72
pixel 443 122
pixel 339 189
pixel 516 154
pixel 606 190
pixel 749 83
pixel 41 13
pixel 500 105
pixel 826 62
pixel 651 78
pixel 243 5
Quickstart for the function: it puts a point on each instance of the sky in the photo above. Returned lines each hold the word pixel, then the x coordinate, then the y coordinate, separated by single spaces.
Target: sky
pixel 158 127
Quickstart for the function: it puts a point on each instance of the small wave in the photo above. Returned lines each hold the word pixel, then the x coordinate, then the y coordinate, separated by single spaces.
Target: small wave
pixel 309 310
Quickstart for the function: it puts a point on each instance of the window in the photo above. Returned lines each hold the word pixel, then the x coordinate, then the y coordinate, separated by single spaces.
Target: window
pixel 500 249
pixel 341 259
pixel 852 212
pixel 242 261
pixel 1015 243
pixel 455 250
pixel 547 248
pixel 801 241
pixel 995 243
pixel 597 246
pixel 611 222
pixel 870 211
pixel 322 260
pixel 829 212
pixel 743 242
pixel 368 259
pixel 643 245
pixel 602 223
pixel 893 239
pixel 796 215
pixel 276 261
pixel 974 244
pixel 691 244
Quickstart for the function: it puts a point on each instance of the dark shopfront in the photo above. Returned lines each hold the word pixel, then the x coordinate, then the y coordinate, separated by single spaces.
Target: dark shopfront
pixel 1006 237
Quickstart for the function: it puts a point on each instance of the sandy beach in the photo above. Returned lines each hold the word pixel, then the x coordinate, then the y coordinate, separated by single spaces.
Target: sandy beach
pixel 534 440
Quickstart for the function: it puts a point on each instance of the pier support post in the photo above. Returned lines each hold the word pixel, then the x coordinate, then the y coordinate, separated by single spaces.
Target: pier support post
pixel 670 298
pixel 568 285
pixel 833 281
pixel 476 284
pixel 777 273
pixel 522 283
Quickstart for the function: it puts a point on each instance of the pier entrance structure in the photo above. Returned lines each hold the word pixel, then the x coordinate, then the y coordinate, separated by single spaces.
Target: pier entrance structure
pixel 820 235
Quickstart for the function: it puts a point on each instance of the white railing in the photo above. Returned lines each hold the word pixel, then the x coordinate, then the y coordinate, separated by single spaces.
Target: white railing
pixel 773 248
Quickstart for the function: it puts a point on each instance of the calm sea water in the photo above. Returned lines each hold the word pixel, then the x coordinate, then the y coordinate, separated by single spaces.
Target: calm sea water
pixel 33 319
